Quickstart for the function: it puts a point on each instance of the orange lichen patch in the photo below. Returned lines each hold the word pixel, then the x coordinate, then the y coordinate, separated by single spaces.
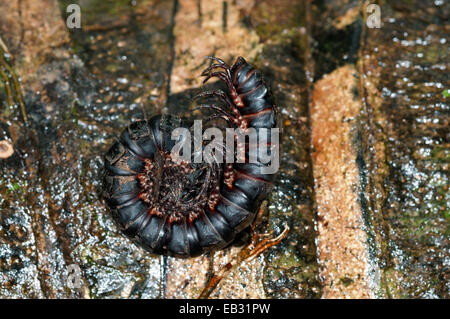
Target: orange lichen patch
pixel 347 18
pixel 342 240
pixel 6 149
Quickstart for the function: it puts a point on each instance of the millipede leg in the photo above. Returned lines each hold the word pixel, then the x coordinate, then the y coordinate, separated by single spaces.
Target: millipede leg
pixel 216 116
pixel 226 68
pixel 221 111
pixel 222 96
pixel 224 76
pixel 252 250
pixel 221 75
pixel 221 64
pixel 228 175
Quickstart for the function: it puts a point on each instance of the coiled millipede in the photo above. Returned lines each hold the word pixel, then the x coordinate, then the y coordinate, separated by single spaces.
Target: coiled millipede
pixel 185 209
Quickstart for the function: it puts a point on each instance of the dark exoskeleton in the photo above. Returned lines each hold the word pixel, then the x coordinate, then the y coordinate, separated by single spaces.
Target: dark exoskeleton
pixel 182 209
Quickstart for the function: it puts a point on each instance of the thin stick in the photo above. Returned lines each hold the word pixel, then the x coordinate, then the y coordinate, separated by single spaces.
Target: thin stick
pixel 15 81
pixel 7 87
pixel 251 251
pixel 3 46
pixel 248 253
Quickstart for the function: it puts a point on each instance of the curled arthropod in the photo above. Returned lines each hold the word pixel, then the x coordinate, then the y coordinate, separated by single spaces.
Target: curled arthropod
pixel 183 209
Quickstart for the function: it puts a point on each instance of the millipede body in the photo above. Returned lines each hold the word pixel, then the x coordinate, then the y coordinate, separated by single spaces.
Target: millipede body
pixel 184 209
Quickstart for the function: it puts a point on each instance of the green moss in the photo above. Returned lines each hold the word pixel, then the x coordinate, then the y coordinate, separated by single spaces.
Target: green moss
pixel 440 153
pixel 92 10
pixel 289 259
pixel 346 281
pixel 277 21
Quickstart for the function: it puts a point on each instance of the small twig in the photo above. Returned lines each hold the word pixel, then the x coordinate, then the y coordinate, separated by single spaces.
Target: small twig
pixel 248 253
pixel 15 81
pixel 9 97
pixel 251 251
pixel 3 46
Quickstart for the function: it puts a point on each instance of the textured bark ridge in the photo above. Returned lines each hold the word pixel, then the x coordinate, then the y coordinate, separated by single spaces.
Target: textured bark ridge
pixel 343 246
